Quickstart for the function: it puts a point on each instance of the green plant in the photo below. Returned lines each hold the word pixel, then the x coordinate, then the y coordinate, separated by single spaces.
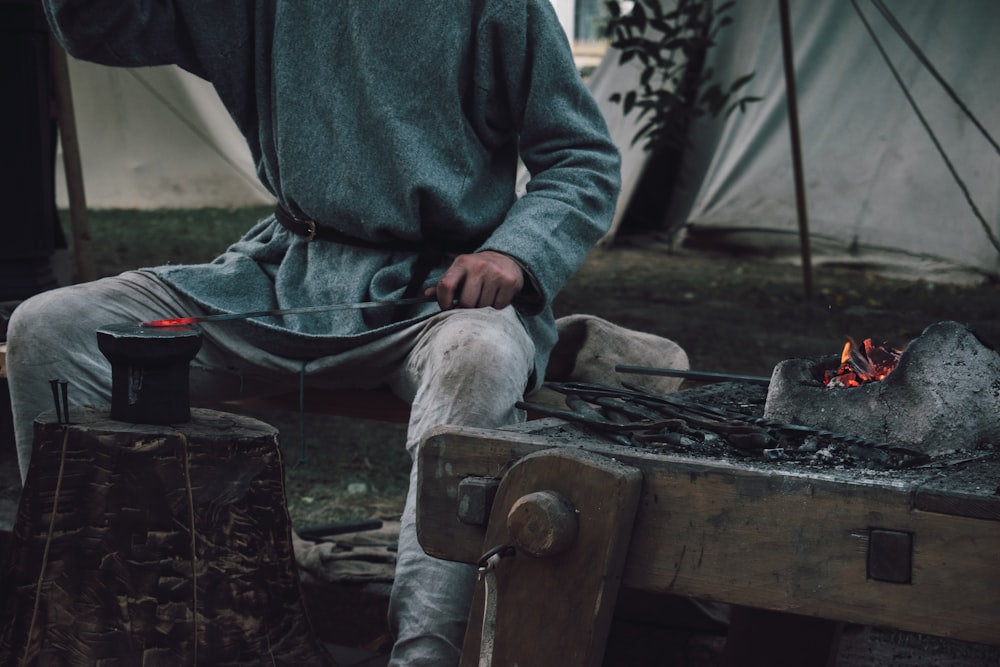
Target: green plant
pixel 669 44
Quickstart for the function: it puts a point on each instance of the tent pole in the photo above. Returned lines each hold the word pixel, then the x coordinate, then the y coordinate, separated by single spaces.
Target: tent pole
pixel 793 125
pixel 85 270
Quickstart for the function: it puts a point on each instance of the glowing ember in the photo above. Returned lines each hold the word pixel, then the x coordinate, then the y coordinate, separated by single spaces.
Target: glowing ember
pixel 860 364
pixel 176 322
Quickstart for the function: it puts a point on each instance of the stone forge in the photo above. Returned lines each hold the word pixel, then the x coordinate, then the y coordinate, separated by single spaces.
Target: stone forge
pixel 943 395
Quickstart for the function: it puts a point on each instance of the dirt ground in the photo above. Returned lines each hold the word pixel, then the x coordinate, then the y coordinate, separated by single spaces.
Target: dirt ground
pixel 731 312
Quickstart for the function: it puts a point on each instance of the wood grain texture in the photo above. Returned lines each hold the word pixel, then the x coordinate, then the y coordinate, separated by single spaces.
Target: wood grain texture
pixel 154 545
pixel 775 537
pixel 556 609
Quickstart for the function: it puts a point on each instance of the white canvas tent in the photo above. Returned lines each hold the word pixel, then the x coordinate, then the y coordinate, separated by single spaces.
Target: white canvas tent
pixel 157 137
pixel 877 189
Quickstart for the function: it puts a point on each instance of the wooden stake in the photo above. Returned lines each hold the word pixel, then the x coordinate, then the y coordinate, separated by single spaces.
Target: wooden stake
pixel 82 251
pixel 793 126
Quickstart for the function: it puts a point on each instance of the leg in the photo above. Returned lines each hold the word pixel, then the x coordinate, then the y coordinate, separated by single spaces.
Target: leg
pixel 52 336
pixel 468 368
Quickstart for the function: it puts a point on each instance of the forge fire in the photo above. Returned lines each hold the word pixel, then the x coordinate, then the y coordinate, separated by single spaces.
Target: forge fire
pixel 863 363
pixel 942 394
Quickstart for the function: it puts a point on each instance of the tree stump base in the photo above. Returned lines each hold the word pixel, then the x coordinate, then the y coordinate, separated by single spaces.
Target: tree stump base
pixel 154 545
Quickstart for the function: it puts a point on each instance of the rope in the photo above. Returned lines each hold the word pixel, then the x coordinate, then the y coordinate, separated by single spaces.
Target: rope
pixel 923 121
pixel 487 574
pixel 303 455
pixel 48 543
pixel 194 544
pixel 488 636
pixel 925 61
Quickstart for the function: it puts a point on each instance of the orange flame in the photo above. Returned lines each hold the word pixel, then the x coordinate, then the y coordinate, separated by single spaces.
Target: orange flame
pixel 861 364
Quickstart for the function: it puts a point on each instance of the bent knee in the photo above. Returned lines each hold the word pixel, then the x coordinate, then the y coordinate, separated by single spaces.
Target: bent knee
pixel 46 315
pixel 483 336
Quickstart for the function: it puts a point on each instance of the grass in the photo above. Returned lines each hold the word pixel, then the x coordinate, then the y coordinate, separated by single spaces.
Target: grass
pixel 123 239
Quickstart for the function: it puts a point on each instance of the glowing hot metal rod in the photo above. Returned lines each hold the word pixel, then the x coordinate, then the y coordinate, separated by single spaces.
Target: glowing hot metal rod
pixel 360 305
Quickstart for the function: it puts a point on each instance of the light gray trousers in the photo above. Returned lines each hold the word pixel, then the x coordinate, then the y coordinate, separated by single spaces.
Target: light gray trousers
pixel 463 367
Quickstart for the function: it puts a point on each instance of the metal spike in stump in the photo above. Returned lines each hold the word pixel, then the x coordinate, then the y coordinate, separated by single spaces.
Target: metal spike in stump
pixel 154 545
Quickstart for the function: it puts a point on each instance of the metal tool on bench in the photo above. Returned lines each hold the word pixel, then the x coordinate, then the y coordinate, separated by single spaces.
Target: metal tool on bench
pixel 149 371
pixel 700 376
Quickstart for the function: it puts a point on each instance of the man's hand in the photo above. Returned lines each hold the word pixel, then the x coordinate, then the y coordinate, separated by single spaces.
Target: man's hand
pixel 478 280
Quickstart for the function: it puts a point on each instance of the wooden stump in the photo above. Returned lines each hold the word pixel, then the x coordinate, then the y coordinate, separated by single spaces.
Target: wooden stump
pixel 154 545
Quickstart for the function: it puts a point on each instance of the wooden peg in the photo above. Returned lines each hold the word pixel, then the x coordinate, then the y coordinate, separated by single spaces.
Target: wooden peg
pixel 543 523
pixel 569 515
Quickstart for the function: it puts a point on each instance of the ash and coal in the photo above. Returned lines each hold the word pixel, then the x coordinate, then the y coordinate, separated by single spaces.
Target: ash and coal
pixel 942 396
pixel 940 404
pixel 722 420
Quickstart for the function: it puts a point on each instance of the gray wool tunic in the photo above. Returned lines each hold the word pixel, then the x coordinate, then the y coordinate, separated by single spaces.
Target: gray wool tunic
pixel 389 121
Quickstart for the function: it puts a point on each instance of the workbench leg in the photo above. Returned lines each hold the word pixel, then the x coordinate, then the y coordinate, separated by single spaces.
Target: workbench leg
pixel 778 639
pixel 569 514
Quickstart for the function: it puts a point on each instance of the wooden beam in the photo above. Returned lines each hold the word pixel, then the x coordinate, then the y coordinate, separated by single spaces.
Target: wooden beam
pixel 775 537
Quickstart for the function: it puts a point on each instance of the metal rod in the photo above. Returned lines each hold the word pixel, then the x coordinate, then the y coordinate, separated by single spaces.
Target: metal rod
pixel 185 321
pixel 55 400
pixel 793 126
pixel 319 532
pixel 64 390
pixel 705 376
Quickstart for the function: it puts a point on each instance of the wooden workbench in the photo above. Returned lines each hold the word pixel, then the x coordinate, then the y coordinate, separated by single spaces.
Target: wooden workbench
pixel 915 550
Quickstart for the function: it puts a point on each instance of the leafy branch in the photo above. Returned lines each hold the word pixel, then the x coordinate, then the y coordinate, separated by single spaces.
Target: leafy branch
pixel 670 47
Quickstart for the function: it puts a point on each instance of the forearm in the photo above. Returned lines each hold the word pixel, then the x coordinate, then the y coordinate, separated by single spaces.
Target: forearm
pixel 564 144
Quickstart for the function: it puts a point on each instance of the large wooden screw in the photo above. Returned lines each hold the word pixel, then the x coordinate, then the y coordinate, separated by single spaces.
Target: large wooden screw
pixel 543 523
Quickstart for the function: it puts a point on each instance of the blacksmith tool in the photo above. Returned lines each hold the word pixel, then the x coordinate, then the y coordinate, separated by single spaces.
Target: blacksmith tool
pixel 64 397
pixel 60 397
pixel 276 312
pixel 660 412
pixel 149 371
pixel 700 376
pixel 317 533
pixel 55 400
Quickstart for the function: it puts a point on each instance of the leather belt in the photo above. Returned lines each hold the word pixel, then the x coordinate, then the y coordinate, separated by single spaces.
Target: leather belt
pixel 429 252
pixel 311 231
